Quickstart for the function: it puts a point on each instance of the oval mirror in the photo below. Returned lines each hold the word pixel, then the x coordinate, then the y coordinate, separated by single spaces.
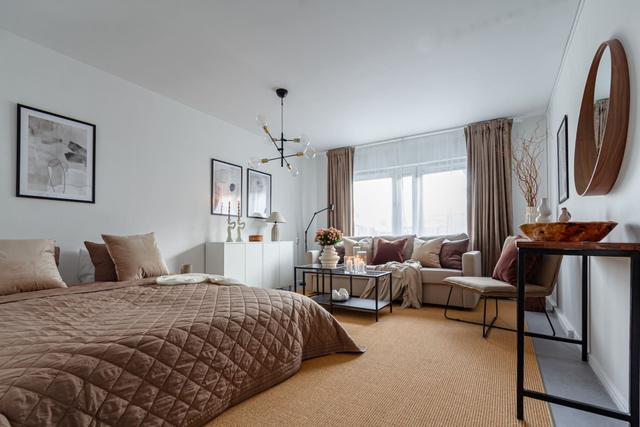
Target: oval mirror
pixel 604 118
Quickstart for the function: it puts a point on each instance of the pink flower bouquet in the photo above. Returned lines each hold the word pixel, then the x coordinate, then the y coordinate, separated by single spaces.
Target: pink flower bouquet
pixel 328 236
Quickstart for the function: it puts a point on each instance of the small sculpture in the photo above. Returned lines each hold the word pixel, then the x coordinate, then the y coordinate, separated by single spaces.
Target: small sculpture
pixel 230 226
pixel 565 215
pixel 241 226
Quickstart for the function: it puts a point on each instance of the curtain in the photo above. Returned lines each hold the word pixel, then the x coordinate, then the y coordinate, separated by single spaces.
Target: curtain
pixel 489 188
pixel 412 185
pixel 340 191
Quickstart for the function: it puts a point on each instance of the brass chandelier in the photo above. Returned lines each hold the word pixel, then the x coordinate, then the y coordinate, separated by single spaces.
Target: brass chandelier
pixel 306 151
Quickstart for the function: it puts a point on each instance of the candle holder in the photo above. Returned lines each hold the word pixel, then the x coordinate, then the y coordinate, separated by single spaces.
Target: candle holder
pixel 230 226
pixel 241 226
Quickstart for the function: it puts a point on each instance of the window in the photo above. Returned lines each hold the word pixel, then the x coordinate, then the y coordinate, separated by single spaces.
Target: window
pixel 411 186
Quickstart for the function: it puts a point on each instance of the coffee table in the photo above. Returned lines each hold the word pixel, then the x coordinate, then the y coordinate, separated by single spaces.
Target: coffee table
pixel 324 275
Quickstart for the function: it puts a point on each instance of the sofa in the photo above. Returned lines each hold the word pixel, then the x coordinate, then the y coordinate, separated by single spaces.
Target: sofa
pixel 434 289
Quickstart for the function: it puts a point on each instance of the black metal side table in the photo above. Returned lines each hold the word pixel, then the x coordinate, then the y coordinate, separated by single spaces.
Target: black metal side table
pixel 584 250
pixel 353 303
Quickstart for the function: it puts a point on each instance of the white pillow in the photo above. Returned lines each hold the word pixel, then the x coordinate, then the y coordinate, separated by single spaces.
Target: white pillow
pixel 428 253
pixel 86 270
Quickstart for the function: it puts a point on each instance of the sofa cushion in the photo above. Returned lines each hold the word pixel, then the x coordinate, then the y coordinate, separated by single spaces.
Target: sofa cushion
pixel 427 253
pixel 437 275
pixel 408 249
pixel 493 287
pixel 388 251
pixel 451 253
pixel 458 236
pixel 366 243
pixel 506 268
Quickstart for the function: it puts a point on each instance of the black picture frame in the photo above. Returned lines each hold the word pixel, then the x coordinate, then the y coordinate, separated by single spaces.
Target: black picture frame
pixel 562 138
pixel 234 208
pixel 249 209
pixel 22 140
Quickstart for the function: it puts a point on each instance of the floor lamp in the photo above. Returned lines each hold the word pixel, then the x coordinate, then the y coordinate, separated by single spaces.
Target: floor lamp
pixel 330 208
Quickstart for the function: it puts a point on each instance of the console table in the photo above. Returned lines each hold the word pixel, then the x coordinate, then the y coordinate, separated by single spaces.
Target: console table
pixel 584 250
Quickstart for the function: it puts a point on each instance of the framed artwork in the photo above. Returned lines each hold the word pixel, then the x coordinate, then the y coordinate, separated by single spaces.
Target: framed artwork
pixel 56 157
pixel 563 161
pixel 258 194
pixel 226 188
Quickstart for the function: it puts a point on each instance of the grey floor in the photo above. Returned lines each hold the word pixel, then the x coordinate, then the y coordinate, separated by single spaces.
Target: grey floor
pixel 565 374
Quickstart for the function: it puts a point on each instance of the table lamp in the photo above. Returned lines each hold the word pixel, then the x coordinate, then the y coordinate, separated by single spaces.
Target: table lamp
pixel 275 218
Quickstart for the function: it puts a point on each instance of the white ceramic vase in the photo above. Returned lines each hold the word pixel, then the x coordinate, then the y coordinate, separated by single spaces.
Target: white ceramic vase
pixel 544 212
pixel 532 214
pixel 329 257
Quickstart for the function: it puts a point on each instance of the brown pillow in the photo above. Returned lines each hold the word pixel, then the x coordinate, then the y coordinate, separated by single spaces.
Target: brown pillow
pixel 105 270
pixel 427 253
pixel 451 253
pixel 387 251
pixel 28 265
pixel 506 268
pixel 135 257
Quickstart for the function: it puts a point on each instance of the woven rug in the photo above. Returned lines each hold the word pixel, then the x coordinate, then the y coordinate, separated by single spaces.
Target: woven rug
pixel 420 369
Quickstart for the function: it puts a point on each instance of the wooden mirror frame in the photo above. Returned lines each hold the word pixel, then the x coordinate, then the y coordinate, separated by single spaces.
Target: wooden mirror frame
pixel 595 173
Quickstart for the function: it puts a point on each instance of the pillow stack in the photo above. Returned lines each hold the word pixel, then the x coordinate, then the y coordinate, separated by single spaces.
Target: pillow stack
pixel 440 253
pixel 123 258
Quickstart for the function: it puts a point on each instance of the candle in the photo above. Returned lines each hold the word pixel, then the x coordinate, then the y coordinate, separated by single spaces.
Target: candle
pixel 229 212
pixel 238 209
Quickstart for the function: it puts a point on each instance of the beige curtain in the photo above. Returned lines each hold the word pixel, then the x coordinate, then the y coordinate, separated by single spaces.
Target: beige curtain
pixel 340 192
pixel 489 188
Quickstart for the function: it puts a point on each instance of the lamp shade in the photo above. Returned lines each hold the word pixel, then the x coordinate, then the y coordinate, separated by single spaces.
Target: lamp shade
pixel 276 217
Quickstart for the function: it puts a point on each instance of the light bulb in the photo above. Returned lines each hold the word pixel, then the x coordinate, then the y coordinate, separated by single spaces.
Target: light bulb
pixel 309 151
pixel 261 121
pixel 254 162
pixel 293 169
pixel 302 139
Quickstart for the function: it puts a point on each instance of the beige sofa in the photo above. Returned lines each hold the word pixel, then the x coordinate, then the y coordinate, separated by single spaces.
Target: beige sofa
pixel 434 289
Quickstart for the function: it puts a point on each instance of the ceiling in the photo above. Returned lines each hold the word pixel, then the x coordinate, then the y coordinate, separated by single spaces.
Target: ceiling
pixel 357 70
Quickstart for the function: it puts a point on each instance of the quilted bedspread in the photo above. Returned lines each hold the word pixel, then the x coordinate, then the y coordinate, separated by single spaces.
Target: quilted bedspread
pixel 141 354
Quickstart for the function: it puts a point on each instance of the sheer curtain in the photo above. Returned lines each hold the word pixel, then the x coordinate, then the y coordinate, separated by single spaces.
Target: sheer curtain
pixel 412 185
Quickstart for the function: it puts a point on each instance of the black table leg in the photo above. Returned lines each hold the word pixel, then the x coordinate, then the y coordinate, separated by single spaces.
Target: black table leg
pixel 634 343
pixel 585 308
pixel 391 293
pixel 350 286
pixel 520 328
pixel 330 290
pixel 295 277
pixel 376 299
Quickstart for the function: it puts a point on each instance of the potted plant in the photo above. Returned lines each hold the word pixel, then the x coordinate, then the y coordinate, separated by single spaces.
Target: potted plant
pixel 327 238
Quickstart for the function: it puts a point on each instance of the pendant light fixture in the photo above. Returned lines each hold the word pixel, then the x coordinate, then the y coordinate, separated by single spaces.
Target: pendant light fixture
pixel 305 149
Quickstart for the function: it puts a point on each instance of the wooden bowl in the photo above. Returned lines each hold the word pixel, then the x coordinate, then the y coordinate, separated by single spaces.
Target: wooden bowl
pixel 255 238
pixel 592 231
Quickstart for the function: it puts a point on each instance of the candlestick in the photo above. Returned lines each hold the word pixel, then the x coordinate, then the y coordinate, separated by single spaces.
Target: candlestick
pixel 238 209
pixel 229 212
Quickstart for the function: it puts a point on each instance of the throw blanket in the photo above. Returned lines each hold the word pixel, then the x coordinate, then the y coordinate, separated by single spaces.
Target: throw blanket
pixel 407 283
pixel 135 353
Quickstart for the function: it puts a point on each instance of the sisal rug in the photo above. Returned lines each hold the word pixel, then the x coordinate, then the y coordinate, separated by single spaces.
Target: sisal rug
pixel 420 370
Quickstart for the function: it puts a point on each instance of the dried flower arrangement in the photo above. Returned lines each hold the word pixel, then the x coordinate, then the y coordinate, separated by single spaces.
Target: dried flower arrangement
pixel 526 164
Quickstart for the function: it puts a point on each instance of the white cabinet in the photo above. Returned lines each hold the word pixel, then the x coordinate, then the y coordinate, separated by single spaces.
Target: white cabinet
pixel 259 264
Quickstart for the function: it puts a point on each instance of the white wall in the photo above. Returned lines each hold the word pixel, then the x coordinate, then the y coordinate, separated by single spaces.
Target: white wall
pixel 528 127
pixel 600 21
pixel 153 157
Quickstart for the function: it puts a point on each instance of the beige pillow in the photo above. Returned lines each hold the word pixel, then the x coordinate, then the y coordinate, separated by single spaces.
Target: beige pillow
pixel 428 253
pixel 28 265
pixel 135 257
pixel 366 244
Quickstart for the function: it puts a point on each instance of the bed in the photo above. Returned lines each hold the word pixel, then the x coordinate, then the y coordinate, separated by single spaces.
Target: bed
pixel 136 353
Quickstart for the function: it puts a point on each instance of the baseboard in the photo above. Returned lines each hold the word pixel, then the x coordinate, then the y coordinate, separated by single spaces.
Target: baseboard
pixel 566 325
pixel 609 386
